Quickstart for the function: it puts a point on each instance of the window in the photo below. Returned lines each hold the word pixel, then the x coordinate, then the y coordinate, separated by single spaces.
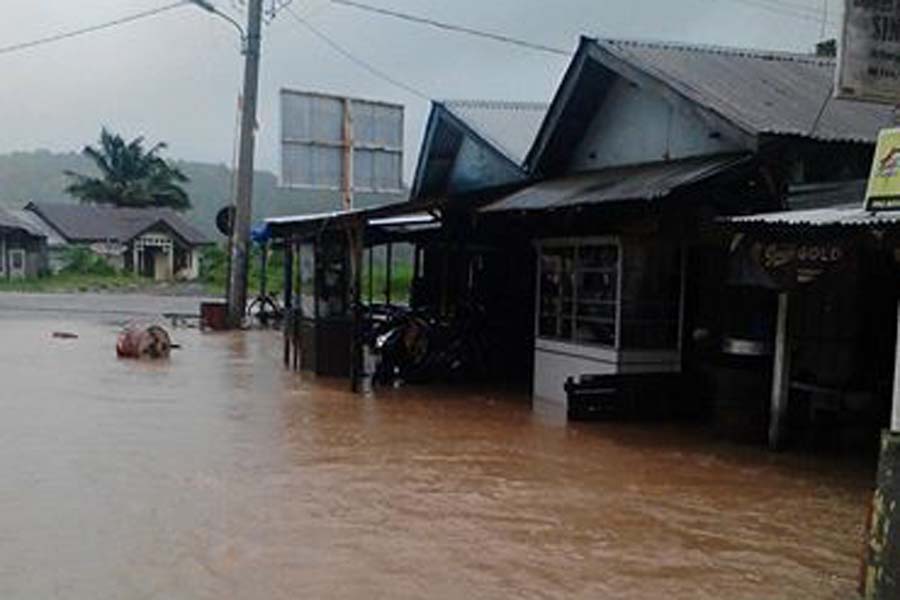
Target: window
pixel 624 294
pixel 579 293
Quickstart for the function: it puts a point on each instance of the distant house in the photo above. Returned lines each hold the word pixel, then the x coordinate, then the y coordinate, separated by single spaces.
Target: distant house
pixel 152 242
pixel 23 248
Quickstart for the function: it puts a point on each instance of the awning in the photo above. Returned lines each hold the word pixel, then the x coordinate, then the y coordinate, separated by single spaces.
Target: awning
pixel 399 218
pixel 642 182
pixel 846 216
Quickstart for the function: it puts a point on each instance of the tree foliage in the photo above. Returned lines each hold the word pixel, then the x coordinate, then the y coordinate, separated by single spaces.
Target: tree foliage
pixel 130 176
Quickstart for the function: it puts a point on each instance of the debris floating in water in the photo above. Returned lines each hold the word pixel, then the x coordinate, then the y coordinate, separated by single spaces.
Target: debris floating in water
pixel 64 335
pixel 151 342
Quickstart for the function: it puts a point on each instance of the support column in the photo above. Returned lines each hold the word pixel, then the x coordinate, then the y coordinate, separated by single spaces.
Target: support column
pixel 781 378
pixel 895 414
pixel 881 579
pixel 288 302
pixel 136 259
pixel 172 261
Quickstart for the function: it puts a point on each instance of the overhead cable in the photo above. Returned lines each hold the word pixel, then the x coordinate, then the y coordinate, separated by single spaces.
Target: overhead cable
pixel 497 37
pixel 353 58
pixel 806 13
pixel 92 29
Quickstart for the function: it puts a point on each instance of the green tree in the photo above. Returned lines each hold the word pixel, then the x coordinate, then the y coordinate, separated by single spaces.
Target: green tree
pixel 130 176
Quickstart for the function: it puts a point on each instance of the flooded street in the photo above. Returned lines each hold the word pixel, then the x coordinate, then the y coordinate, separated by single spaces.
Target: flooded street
pixel 219 475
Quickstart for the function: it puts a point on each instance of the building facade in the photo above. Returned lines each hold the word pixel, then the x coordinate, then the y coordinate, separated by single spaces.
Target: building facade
pixel 154 243
pixel 23 249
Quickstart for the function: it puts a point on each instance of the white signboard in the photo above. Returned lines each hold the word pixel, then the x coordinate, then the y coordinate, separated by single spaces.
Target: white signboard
pixel 869 54
pixel 329 142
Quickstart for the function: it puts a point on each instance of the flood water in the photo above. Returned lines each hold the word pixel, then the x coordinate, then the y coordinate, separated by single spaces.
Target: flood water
pixel 218 475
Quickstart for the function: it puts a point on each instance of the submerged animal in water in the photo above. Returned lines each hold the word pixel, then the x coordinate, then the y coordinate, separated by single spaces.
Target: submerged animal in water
pixel 144 342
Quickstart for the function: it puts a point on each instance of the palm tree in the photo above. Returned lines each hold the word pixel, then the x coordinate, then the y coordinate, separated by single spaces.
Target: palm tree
pixel 129 176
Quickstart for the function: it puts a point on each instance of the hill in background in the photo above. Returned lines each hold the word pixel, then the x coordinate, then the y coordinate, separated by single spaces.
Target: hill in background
pixel 39 176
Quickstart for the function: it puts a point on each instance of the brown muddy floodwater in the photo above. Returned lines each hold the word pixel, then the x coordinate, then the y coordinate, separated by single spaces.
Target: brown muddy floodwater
pixel 218 475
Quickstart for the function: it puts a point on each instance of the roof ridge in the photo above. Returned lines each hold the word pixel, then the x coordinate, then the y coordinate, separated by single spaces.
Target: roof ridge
pixel 754 53
pixel 497 104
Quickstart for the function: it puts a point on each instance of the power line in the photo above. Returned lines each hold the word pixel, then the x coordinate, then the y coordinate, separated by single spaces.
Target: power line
pixel 497 37
pixel 806 13
pixel 351 57
pixel 92 29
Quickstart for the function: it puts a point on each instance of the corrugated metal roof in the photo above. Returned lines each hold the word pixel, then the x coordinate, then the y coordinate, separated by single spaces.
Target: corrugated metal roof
pixel 641 182
pixel 762 92
pixel 8 220
pixel 826 195
pixel 91 223
pixel 38 226
pixel 849 215
pixel 509 126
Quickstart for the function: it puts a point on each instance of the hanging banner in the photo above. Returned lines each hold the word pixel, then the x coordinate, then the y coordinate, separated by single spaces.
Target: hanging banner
pixel 869 53
pixel 883 192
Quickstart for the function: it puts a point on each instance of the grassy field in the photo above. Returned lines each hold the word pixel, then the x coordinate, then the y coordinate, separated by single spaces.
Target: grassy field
pixel 213 271
pixel 87 273
pixel 76 282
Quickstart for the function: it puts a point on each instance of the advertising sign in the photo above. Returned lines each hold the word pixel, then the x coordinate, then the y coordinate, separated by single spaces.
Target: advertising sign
pixel 333 142
pixel 869 53
pixel 883 192
pixel 782 265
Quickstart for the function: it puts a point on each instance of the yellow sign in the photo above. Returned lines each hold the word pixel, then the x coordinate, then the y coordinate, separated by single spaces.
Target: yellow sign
pixel 883 192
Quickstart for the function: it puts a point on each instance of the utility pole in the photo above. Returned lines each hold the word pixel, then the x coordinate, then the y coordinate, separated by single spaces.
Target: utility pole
pixel 240 253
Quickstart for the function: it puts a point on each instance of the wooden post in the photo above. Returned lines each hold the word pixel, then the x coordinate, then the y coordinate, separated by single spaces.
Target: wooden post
pixel 388 273
pixel 371 275
pixel 781 377
pixel 288 300
pixel 347 142
pixel 895 416
pixel 355 248
pixel 297 329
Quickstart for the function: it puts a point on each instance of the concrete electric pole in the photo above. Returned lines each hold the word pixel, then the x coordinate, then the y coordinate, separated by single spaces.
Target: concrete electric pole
pixel 240 251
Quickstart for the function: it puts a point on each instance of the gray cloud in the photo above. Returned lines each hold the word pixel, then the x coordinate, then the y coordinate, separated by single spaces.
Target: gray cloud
pixel 176 77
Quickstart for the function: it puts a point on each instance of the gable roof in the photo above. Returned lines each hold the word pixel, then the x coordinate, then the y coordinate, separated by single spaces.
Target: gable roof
pixel 509 126
pixel 83 223
pixel 757 93
pixel 8 220
pixel 775 93
pixel 506 129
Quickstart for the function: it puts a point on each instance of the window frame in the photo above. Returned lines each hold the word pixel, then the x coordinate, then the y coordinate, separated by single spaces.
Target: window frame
pixel 576 244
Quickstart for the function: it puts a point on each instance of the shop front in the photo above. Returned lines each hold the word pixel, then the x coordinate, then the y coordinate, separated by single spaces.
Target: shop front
pixel 826 282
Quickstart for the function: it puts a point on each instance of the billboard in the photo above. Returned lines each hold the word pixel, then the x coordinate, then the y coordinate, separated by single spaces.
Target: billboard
pixel 883 192
pixel 339 143
pixel 869 52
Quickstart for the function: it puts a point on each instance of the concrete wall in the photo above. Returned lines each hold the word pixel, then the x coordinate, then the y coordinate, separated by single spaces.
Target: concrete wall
pixel 635 126
pixel 554 362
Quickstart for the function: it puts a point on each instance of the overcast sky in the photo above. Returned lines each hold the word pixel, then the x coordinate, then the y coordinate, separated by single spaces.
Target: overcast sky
pixel 175 77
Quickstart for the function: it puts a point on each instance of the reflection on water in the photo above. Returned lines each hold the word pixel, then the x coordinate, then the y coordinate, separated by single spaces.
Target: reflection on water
pixel 218 475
